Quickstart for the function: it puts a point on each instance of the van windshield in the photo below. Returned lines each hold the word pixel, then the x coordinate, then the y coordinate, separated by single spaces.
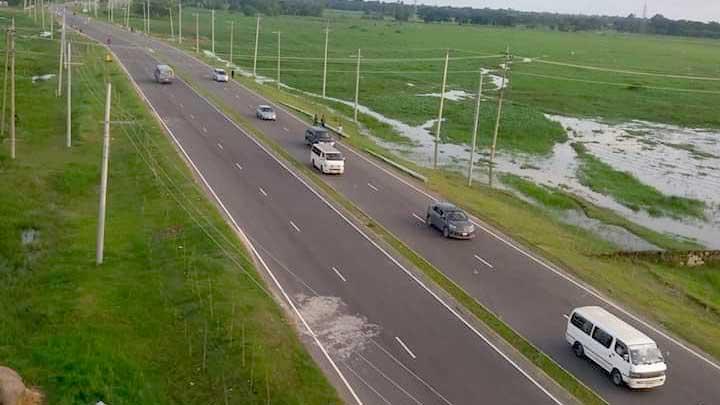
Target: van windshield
pixel 334 156
pixel 645 354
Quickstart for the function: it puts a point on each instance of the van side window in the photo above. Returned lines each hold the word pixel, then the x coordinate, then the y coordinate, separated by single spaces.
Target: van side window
pixel 581 323
pixel 602 337
pixel 620 348
pixel 315 150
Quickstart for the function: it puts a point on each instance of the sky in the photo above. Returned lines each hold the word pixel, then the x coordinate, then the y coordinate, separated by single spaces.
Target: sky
pixel 698 10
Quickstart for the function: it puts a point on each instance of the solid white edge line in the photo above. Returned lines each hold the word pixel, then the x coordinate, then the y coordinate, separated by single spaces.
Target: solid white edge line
pixel 485 262
pixel 551 268
pixel 419 218
pixel 387 254
pixel 294 226
pixel 240 231
pixel 373 187
pixel 339 275
pixel 407 349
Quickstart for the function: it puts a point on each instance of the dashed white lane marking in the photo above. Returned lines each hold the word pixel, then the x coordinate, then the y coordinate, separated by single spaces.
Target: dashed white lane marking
pixel 192 117
pixel 182 106
pixel 285 129
pixel 263 191
pixel 294 226
pixel 407 349
pixel 339 275
pixel 418 218
pixel 373 187
pixel 220 146
pixel 204 130
pixel 483 261
pixel 238 166
pixel 237 96
pixel 566 316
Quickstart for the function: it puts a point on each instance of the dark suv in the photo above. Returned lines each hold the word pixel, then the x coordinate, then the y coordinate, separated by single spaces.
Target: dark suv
pixel 451 220
pixel 315 135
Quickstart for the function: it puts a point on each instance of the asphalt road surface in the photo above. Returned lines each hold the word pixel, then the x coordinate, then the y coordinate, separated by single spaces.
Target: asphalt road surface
pixel 390 337
pixel 530 295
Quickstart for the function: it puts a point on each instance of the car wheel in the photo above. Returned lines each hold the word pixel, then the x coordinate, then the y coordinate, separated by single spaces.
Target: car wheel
pixel 428 221
pixel 578 349
pixel 446 232
pixel 616 378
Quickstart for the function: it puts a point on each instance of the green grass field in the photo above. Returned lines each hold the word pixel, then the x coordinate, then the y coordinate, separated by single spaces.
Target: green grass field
pixel 399 54
pixel 177 314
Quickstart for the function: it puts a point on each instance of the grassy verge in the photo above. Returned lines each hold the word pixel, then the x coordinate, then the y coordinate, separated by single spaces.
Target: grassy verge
pixel 532 353
pixel 631 192
pixel 177 313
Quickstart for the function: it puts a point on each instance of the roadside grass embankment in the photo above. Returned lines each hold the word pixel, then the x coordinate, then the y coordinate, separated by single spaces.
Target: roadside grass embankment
pixel 631 192
pixel 177 313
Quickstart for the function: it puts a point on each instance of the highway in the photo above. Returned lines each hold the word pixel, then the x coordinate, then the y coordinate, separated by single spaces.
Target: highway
pixel 530 295
pixel 386 337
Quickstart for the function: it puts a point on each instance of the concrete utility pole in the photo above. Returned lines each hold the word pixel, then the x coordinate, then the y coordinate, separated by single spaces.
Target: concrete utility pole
pixel 440 113
pixel 327 37
pixel 357 86
pixel 506 66
pixel 127 14
pixel 232 34
pixel 212 34
pixel 68 133
pixel 52 26
pixel 179 22
pixel 62 56
pixel 42 14
pixel 144 19
pixel 103 181
pixel 257 38
pixel 475 130
pixel 278 59
pixel 197 32
pixel 172 29
pixel 5 80
pixel 12 90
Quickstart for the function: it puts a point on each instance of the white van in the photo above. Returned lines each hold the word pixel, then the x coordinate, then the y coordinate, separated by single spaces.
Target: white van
pixel 327 159
pixel 623 351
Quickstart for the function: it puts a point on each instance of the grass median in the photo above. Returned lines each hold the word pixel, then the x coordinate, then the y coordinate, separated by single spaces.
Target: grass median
pixel 177 313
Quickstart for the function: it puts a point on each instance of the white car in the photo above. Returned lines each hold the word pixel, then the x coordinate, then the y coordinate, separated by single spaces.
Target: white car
pixel 265 112
pixel 628 355
pixel 220 75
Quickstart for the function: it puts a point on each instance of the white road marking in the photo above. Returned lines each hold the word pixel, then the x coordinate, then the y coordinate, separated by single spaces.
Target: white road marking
pixel 285 129
pixel 263 192
pixel 407 349
pixel 419 218
pixel 181 105
pixel 566 316
pixel 192 117
pixel 220 146
pixel 294 226
pixel 237 96
pixel 339 275
pixel 238 166
pixel 373 187
pixel 483 261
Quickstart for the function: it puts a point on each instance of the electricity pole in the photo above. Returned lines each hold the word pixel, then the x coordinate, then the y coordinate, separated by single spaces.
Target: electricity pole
pixel 42 14
pixel 5 80
pixel 68 134
pixel 103 181
pixel 357 85
pixel 212 34
pixel 499 113
pixel 475 130
pixel 197 32
pixel 62 57
pixel 232 34
pixel 327 35
pixel 278 59
pixel 257 38
pixel 440 113
pixel 12 89
pixel 172 29
pixel 179 22
pixel 52 26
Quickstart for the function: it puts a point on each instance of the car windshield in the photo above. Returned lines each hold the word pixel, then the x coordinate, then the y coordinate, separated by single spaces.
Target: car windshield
pixel 457 216
pixel 334 156
pixel 220 71
pixel 646 354
pixel 322 135
pixel 266 109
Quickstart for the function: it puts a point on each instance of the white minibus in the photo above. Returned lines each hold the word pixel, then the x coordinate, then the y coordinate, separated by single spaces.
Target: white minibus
pixel 327 159
pixel 629 355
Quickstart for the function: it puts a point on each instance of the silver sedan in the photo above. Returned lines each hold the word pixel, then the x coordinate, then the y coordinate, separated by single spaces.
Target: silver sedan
pixel 265 112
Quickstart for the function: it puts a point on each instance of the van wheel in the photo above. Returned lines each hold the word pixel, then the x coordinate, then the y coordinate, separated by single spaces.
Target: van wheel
pixel 578 349
pixel 428 221
pixel 616 377
pixel 446 232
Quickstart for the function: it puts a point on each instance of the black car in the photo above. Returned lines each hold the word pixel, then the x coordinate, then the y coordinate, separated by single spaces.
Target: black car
pixel 451 220
pixel 318 135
